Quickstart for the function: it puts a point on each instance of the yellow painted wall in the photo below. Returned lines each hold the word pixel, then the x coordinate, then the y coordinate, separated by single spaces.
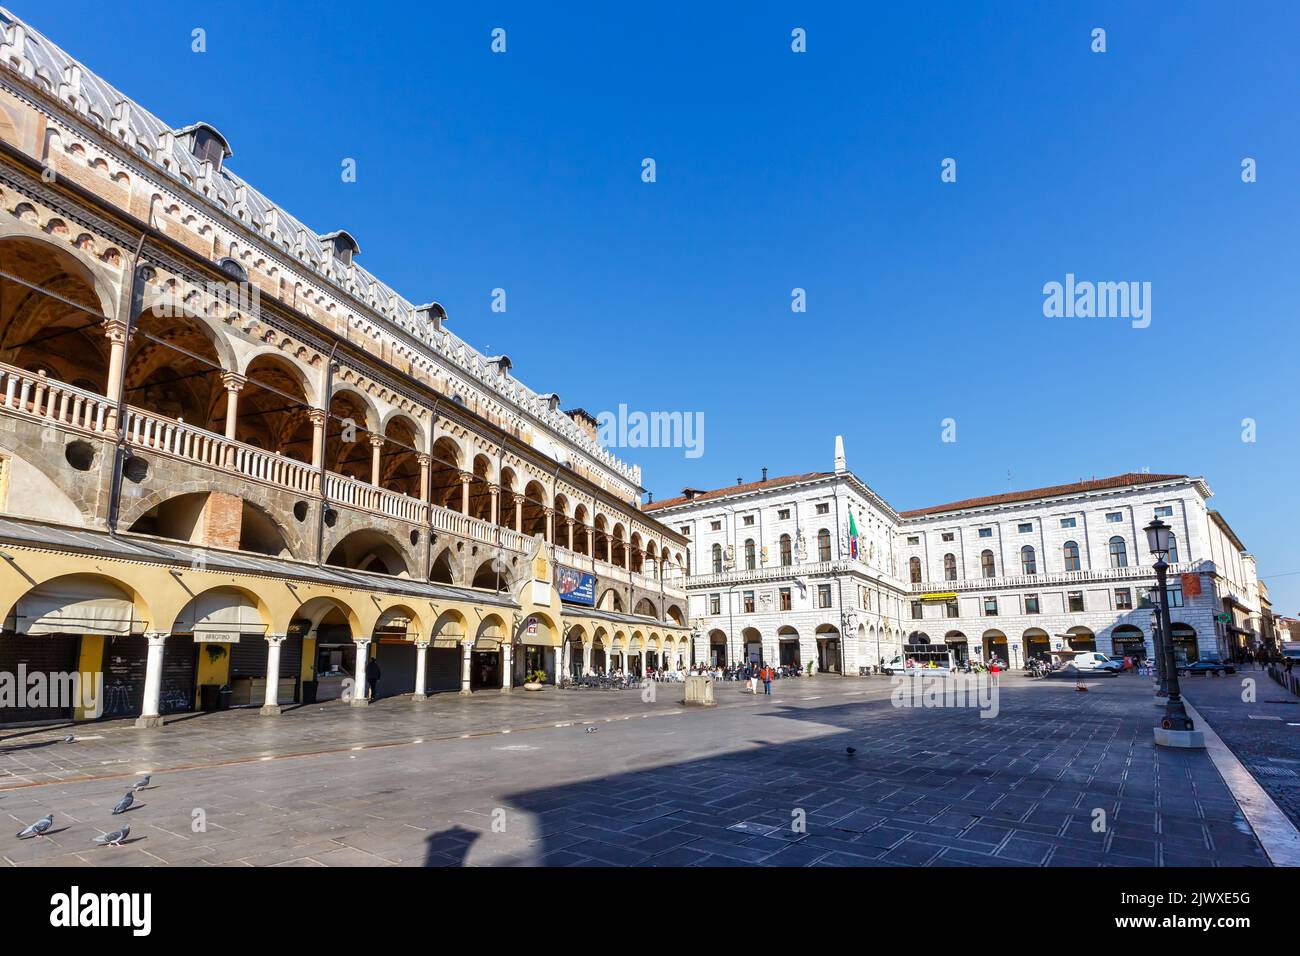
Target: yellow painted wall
pixel 308 671
pixel 90 661
pixel 213 672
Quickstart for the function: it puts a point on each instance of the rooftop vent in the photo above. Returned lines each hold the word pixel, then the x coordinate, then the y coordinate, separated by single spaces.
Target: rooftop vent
pixel 341 245
pixel 433 313
pixel 205 143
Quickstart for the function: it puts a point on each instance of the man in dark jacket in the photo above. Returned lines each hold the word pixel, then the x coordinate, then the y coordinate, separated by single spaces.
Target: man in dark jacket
pixel 372 678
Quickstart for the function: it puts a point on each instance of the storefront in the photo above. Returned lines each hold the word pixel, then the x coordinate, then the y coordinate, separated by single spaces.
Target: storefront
pixel 1127 641
pixel 51 655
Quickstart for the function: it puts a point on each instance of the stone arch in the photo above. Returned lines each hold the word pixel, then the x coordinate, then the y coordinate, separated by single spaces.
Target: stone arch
pixel 369 549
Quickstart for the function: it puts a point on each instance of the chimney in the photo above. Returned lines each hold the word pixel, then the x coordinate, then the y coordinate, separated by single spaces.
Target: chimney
pixel 765 474
pixel 650 497
pixel 739 480
pixel 840 466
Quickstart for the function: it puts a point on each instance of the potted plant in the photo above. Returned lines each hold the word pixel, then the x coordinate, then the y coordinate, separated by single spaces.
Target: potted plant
pixel 534 680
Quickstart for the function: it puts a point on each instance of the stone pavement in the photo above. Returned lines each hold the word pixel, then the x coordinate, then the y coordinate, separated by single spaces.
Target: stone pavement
pixel 519 780
pixel 1264 735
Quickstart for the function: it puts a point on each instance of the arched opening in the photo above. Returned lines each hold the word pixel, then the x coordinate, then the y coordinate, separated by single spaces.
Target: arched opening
pixel 444 480
pixel 486 658
pixel 348 450
pixel 611 600
pixel 492 576
pixel 1186 649
pixel 787 639
pixel 369 550
pixel 753 645
pixel 333 649
pixel 1127 641
pixel 1081 639
pixel 273 410
pixel 635 554
pixel 675 615
pixel 645 607
pixel 958 647
pixel 394 641
pixel 399 465
pixel 600 651
pixel 996 648
pixel 173 368
pixel 1037 644
pixel 581 521
pixel 39 333
pixel 618 546
pixel 444 657
pixel 536 501
pixel 717 648
pixel 480 491
pixel 602 539
pixel 226 633
pixel 828 649
pixel 442 571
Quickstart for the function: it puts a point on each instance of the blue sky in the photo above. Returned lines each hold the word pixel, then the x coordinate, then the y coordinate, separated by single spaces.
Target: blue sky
pixel 778 170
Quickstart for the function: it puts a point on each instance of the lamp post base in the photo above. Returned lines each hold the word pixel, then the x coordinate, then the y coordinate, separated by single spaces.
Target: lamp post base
pixel 1186 739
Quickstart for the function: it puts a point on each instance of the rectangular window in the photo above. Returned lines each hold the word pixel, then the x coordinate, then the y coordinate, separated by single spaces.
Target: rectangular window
pixel 1145 597
pixel 686 530
pixel 783 514
pixel 785 599
pixel 913 540
pixel 1031 603
pixel 823 595
pixel 916 610
pixel 948 536
pixel 1076 600
pixel 715 603
pixel 748 602
pixel 823 509
pixel 1176 597
pixel 1165 511
pixel 866 600
pixel 951 607
pixel 986 532
pixel 749 520
pixel 990 607
pixel 1067 522
pixel 1123 599
pixel 1025 527
pixel 715 525
pixel 1114 517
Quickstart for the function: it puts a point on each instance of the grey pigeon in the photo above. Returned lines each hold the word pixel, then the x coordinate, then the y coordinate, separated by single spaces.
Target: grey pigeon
pixel 124 804
pixel 69 739
pixel 142 782
pixel 850 750
pixel 38 828
pixel 591 730
pixel 113 839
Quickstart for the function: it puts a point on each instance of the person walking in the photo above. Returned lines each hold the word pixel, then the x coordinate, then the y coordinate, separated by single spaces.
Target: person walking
pixel 767 681
pixel 372 678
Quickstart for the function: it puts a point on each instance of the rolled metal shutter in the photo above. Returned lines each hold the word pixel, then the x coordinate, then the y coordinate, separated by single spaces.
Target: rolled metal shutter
pixel 56 653
pixel 442 669
pixel 248 657
pixel 178 675
pixel 125 662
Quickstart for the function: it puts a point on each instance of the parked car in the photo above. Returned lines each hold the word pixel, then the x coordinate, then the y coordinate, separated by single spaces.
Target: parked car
pixel 1207 666
pixel 1090 662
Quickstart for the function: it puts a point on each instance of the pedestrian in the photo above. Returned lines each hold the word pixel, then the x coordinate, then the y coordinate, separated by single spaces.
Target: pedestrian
pixel 372 678
pixel 767 681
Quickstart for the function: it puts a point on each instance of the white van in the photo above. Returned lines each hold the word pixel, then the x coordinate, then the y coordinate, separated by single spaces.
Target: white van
pixel 1090 662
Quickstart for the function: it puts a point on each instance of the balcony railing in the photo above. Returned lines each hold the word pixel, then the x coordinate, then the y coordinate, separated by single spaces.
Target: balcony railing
pixel 780 572
pixel 1055 578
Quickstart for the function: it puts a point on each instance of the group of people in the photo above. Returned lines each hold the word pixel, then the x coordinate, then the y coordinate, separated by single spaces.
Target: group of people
pixel 1262 657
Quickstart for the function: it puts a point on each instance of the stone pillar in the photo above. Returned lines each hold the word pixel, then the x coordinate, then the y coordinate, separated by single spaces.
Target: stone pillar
pixel 115 331
pixel 569 522
pixel 376 443
pixel 426 467
pixel 421 656
pixel 234 385
pixel 149 716
pixel 586 658
pixel 318 418
pixel 271 703
pixel 465 478
pixel 591 543
pixel 550 524
pixel 359 695
pixel 561 662
pixel 466 649
pixel 495 492
pixel 519 513
pixel 507 665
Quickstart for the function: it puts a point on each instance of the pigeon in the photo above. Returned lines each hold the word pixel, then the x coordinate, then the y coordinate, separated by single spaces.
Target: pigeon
pixel 70 739
pixel 113 839
pixel 142 782
pixel 124 804
pixel 850 750
pixel 38 828
pixel 592 730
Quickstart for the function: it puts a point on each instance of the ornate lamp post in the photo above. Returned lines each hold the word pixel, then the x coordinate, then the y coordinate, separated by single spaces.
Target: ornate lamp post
pixel 1175 718
pixel 1158 642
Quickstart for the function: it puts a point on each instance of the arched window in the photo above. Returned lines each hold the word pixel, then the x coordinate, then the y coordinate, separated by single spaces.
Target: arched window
pixel 1173 549
pixel 786 557
pixel 1028 560
pixel 717 559
pixel 823 545
pixel 986 564
pixel 949 567
pixel 749 554
pixel 1071 552
pixel 1118 553
pixel 914 566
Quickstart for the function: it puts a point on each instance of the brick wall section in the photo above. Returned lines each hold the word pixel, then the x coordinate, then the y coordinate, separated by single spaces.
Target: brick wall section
pixel 221 520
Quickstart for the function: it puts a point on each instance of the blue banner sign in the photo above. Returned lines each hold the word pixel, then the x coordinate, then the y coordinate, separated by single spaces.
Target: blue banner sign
pixel 576 587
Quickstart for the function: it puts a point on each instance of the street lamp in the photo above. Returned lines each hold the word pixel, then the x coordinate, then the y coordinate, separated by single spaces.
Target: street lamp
pixel 1158 537
pixel 1158 644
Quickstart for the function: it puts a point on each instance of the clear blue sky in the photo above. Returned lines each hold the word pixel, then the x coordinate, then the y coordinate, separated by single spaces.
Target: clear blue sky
pixel 820 170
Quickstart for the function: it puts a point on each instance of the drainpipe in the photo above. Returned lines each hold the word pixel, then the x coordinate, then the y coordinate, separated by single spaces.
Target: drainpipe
pixel 324 452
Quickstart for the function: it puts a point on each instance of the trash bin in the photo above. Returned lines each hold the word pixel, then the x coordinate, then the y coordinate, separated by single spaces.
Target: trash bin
pixel 209 697
pixel 309 691
pixel 223 698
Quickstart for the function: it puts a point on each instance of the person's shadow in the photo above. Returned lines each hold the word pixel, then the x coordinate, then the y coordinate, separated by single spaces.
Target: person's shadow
pixel 450 847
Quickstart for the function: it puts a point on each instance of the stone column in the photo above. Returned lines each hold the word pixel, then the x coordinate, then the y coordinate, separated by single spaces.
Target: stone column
pixel 465 478
pixel 115 331
pixel 317 417
pixel 426 465
pixel 519 513
pixel 271 703
pixel 234 384
pixel 591 543
pixel 466 649
pixel 359 696
pixel 561 662
pixel 495 492
pixel 550 524
pixel 569 523
pixel 507 663
pixel 376 443
pixel 421 656
pixel 149 716
pixel 586 658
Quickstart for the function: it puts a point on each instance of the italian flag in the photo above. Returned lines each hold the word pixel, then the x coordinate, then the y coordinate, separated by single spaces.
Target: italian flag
pixel 853 537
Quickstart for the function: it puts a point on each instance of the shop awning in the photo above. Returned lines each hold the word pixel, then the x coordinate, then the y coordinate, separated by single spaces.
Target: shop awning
pixel 219 617
pixel 74 606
